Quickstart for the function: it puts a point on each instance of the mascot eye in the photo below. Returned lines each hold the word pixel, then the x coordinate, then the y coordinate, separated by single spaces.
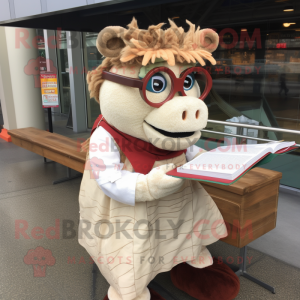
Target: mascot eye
pixel 157 83
pixel 189 82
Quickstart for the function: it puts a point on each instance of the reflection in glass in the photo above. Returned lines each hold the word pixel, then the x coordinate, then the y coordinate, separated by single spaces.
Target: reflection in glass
pixel 258 82
pixel 63 74
pixel 92 59
pixel 41 49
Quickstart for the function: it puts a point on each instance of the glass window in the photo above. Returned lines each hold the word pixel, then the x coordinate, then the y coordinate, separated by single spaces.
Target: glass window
pixel 92 59
pixel 41 49
pixel 257 81
pixel 63 74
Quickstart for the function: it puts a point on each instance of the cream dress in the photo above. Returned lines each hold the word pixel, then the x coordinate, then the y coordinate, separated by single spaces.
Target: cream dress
pixel 132 244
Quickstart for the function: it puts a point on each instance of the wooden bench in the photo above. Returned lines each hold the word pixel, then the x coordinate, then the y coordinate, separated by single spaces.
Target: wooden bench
pixel 249 206
pixel 53 146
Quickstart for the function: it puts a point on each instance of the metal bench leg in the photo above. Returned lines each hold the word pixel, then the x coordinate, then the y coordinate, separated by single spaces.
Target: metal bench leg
pixel 48 162
pixel 69 177
pixel 243 271
pixel 94 276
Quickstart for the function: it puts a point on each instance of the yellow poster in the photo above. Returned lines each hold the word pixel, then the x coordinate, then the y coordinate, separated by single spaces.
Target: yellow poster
pixel 49 90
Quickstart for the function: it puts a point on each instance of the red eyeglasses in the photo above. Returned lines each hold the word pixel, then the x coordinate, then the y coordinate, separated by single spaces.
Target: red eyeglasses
pixel 160 84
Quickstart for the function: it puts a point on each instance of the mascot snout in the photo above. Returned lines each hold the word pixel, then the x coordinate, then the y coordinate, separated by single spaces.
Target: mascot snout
pixel 179 114
pixel 176 125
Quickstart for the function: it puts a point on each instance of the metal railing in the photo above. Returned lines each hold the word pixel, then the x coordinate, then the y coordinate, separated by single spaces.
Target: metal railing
pixel 249 126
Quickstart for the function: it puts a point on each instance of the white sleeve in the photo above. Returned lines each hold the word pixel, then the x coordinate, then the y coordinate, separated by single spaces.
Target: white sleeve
pixel 192 151
pixel 106 166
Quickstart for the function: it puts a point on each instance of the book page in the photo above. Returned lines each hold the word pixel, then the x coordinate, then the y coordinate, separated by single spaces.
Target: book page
pixel 229 162
pixel 253 148
pixel 278 146
pixel 225 163
pixel 249 149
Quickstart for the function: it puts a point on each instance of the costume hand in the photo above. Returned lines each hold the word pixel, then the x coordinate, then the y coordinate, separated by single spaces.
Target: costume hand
pixel 157 184
pixel 199 153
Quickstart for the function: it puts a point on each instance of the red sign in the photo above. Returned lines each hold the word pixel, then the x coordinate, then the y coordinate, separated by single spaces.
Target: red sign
pixel 281 45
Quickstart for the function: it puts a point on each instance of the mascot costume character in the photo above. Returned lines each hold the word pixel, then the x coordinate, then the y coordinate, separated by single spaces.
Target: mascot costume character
pixel 135 220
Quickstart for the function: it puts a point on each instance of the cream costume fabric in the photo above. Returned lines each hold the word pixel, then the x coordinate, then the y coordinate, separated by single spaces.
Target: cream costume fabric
pixel 133 242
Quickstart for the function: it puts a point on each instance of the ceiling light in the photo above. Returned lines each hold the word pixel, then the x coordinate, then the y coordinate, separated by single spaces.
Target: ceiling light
pixel 243 29
pixel 288 8
pixel 176 18
pixel 288 24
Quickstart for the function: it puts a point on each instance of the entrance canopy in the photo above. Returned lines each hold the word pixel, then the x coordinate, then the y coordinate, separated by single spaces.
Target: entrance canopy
pixel 85 18
pixel 76 15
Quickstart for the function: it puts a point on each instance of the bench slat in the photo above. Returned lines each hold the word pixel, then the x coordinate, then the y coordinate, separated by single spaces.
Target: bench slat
pixel 50 145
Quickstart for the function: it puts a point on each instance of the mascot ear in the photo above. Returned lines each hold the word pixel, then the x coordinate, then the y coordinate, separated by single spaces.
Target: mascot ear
pixel 209 39
pixel 109 42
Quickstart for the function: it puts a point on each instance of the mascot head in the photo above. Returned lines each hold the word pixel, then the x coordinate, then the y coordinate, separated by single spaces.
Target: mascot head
pixel 149 86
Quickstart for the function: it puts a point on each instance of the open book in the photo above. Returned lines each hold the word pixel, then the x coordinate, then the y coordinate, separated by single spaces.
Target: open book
pixel 226 164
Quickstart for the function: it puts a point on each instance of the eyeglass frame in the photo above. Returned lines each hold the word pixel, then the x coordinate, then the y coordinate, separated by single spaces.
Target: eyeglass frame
pixel 177 83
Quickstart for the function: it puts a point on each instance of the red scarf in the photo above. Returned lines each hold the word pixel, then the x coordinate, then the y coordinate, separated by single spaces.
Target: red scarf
pixel 142 155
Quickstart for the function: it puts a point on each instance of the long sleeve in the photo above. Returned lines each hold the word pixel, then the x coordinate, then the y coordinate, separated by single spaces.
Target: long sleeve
pixel 106 166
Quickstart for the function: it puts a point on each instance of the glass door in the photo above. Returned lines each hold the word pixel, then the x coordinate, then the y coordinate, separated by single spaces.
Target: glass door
pixel 92 59
pixel 63 74
pixel 257 81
